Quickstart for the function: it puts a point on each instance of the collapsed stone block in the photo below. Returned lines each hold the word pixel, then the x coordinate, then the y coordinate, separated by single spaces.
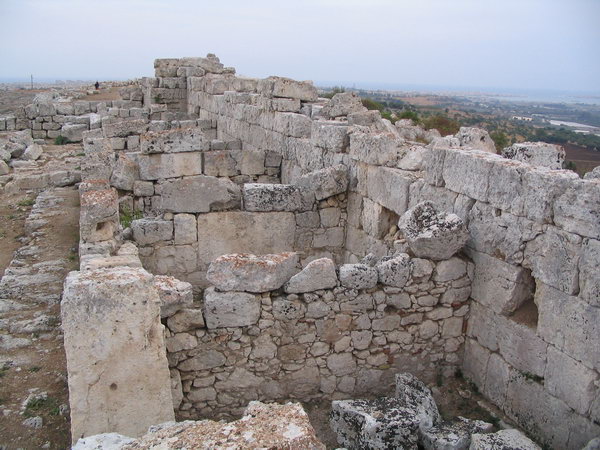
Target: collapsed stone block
pixel 230 309
pixel 326 182
pixel 318 274
pixel 536 154
pixel 503 439
pixel 276 197
pixel 286 87
pixel 358 276
pixel 252 273
pixel 118 376
pixel 452 435
pixel 342 104
pixel 431 234
pixel 32 152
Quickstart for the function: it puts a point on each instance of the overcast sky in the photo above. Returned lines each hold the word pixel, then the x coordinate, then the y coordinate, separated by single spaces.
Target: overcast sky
pixel 546 44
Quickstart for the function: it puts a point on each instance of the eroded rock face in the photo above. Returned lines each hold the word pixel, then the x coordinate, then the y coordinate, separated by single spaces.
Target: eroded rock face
pixel 251 273
pixel 358 276
pixel 270 426
pixel 431 234
pixel 504 439
pixel 475 138
pixel 536 154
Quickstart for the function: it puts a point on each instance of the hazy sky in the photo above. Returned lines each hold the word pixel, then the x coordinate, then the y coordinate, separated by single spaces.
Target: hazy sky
pixel 546 44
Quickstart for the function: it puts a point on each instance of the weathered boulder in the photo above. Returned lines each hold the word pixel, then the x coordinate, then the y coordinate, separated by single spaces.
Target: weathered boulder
pixel 342 104
pixel 417 396
pixel 73 132
pixel 452 435
pixel 536 154
pixel 230 309
pixel 174 294
pixel 475 138
pixel 594 174
pixel 326 182
pixel 33 152
pixel 501 440
pixel 318 274
pixel 263 425
pixel 276 197
pixel 431 234
pixel 358 276
pixel 394 271
pixel 252 273
pixel 119 378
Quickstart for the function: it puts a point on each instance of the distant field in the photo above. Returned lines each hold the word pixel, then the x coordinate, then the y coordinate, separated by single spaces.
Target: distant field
pixel 12 99
pixel 584 159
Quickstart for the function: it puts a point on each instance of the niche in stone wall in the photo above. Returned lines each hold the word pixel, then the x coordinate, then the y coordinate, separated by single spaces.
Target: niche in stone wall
pixel 525 310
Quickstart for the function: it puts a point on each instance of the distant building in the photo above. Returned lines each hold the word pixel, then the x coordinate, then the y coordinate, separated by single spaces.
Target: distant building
pixel 522 118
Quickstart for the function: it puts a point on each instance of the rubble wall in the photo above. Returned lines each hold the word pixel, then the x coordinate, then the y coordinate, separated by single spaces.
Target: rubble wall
pixel 333 343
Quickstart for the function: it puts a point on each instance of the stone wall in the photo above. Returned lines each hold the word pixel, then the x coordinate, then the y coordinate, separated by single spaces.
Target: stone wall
pixel 531 341
pixel 315 336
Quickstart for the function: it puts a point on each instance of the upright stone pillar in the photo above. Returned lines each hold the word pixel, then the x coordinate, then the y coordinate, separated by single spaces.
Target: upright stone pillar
pixel 116 358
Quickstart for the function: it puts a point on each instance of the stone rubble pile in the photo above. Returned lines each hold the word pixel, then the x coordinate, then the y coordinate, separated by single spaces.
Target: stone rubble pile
pixel 411 420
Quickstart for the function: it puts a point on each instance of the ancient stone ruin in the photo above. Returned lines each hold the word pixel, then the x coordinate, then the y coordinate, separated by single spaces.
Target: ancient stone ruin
pixel 285 247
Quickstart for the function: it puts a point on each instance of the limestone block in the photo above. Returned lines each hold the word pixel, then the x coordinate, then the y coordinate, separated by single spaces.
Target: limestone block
pixel 570 381
pixel 452 435
pixel 203 360
pixel 570 324
pixel 252 162
pixel 537 154
pixel 276 197
pixel 173 293
pixel 185 228
pixel 244 232
pixel 519 345
pixel 476 138
pixel 589 281
pixel 389 187
pixel 32 152
pixel 342 104
pixel 554 258
pixel 197 194
pixel 379 149
pixel 169 165
pixel 431 234
pixel 74 132
pixel 496 380
pixel 174 141
pixel 413 158
pixel 222 163
pixel 118 376
pixel 286 87
pixel 318 274
pixel 149 231
pixel 394 271
pixel 230 309
pixel 358 276
pixel 326 182
pixel 330 217
pixel 332 136
pixel 170 260
pixel 186 319
pixel 99 215
pixel 451 269
pixel 503 439
pixel 181 341
pixel 467 172
pixel 125 172
pixel 341 364
pixel 541 188
pixel 578 209
pixel 113 127
pixel 143 188
pixel 252 273
pixel 499 285
pixel 475 362
pixel 593 174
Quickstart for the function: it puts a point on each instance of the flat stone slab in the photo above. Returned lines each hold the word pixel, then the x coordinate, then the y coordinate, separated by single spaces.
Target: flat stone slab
pixel 502 440
pixel 252 273
pixel 318 274
pixel 230 309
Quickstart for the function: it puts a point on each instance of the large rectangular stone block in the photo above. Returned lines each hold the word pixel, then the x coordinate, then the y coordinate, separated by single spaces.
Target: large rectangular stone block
pixel 197 194
pixel 169 165
pixel 228 232
pixel 468 172
pixel 389 187
pixel 589 279
pixel 230 309
pixel 174 141
pixel 118 375
pixel 381 149
pixel 578 209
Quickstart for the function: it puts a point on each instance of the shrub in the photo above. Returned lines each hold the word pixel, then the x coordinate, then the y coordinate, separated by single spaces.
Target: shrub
pixel 371 104
pixel 412 115
pixel 444 125
pixel 127 216
pixel 60 140
pixel 335 90
pixel 500 139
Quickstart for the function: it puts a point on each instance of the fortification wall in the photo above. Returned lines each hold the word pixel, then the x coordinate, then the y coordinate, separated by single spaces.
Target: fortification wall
pixel 531 340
